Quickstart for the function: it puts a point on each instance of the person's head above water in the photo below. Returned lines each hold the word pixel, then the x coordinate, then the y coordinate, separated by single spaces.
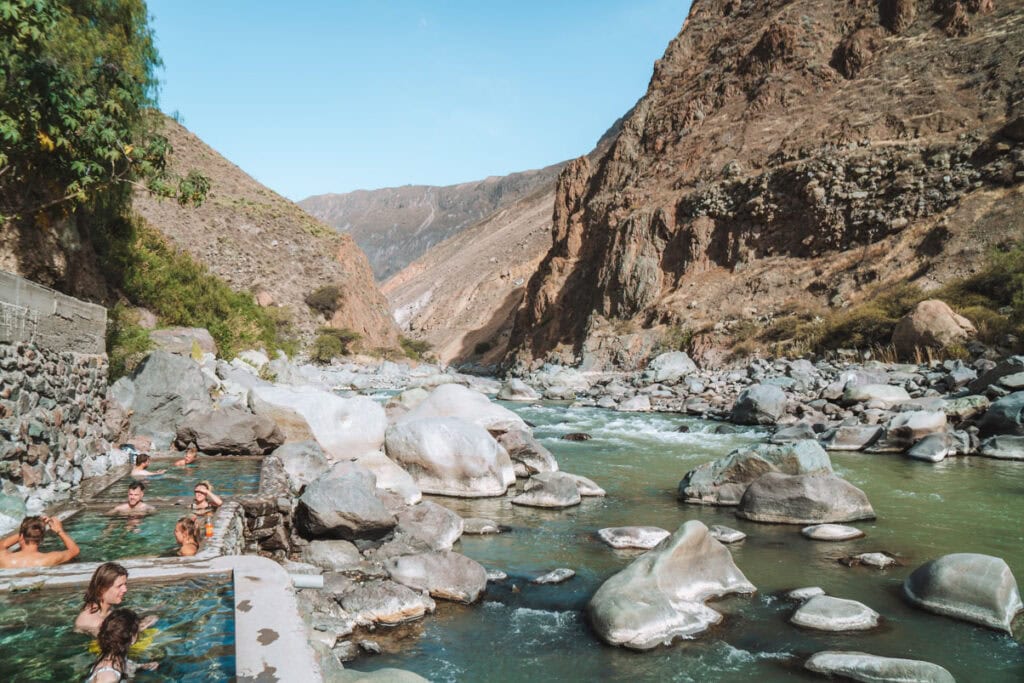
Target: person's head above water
pixel 117 633
pixel 136 490
pixel 32 530
pixel 108 586
pixel 142 460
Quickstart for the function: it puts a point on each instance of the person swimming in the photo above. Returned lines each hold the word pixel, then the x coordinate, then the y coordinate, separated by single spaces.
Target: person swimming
pixel 107 588
pixel 116 634
pixel 191 455
pixel 134 506
pixel 141 468
pixel 188 532
pixel 29 537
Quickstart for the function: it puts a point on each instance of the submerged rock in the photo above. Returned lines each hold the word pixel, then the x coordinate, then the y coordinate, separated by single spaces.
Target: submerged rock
pixel 831 532
pixel 560 575
pixel 724 534
pixel 825 613
pixel 876 560
pixel 804 499
pixel 969 586
pixel 805 593
pixel 860 666
pixel 642 537
pixel 576 436
pixel 660 595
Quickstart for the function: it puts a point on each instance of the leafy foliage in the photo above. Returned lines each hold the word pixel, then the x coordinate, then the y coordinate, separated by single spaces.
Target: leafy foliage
pixel 76 79
pixel 324 300
pixel 415 348
pixel 127 342
pixel 331 343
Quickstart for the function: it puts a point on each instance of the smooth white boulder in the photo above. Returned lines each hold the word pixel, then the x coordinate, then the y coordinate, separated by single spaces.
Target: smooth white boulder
pixel 831 532
pixel 643 537
pixel 443 574
pixel 450 457
pixel 391 477
pixel 560 575
pixel 725 534
pixel 861 666
pixel 549 490
pixel 517 390
pixel 969 586
pixel 454 400
pixel 660 596
pixel 805 593
pixel 884 395
pixel 825 613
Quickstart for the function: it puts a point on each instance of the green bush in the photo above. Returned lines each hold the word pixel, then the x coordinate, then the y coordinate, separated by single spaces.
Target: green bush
pixel 676 338
pixel 331 343
pixel 324 300
pixel 415 349
pixel 127 342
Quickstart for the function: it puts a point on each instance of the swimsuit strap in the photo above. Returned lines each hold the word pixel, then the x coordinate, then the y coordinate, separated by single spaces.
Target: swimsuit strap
pixel 92 677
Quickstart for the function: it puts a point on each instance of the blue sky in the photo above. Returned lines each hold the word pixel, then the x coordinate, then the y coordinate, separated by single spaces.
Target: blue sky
pixel 318 96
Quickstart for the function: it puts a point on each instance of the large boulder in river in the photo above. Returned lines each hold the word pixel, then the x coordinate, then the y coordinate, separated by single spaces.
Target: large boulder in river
pixel 549 490
pixel 391 477
pixel 660 596
pixel 304 462
pixel 443 574
pixel 1003 447
pixel 723 481
pixel 429 526
pixel 804 499
pixel 344 427
pixel 517 390
pixel 669 368
pixel 931 324
pixel 523 448
pixel 968 586
pixel 229 431
pixel 1004 416
pixel 860 666
pixel 166 388
pixel 761 404
pixel 342 504
pixel 454 400
pixel 907 428
pixel 450 457
pixel 826 613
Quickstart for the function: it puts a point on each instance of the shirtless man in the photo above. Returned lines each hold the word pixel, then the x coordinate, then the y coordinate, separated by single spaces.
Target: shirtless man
pixel 107 588
pixel 190 457
pixel 142 465
pixel 134 507
pixel 29 536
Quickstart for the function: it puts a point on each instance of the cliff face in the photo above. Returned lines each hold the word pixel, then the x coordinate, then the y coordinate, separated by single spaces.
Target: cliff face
pixel 786 152
pixel 258 241
pixel 396 225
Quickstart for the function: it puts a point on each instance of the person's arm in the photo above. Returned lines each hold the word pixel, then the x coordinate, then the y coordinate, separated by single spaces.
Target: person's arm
pixel 10 540
pixel 71 549
pixel 212 497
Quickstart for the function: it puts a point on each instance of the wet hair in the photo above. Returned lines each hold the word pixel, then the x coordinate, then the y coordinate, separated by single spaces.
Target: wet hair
pixel 204 482
pixel 33 529
pixel 190 525
pixel 137 485
pixel 141 459
pixel 102 579
pixel 117 633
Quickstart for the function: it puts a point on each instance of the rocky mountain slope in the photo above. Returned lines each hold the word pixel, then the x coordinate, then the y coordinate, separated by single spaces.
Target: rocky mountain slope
pixel 787 153
pixel 256 240
pixel 396 225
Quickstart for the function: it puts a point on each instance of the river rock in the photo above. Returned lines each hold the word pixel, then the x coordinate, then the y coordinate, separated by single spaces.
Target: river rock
pixel 517 390
pixel 805 593
pixel 429 526
pixel 804 499
pixel 638 404
pixel 968 586
pixel 332 555
pixel 560 575
pixel 876 560
pixel 576 436
pixel 934 447
pixel 444 574
pixel 860 666
pixel 905 429
pixel 342 504
pixel 660 595
pixel 380 601
pixel 724 534
pixel 453 400
pixel 450 457
pixel 402 403
pixel 479 526
pixel 304 462
pixel 1004 416
pixel 523 448
pixel 931 324
pixel 669 368
pixel 390 476
pixel 831 532
pixel 852 437
pixel 587 487
pixel 723 481
pixel 760 404
pixel 166 389
pixel 825 613
pixel 495 575
pixel 344 427
pixel 643 537
pixel 1003 447
pixel 801 431
pixel 184 341
pixel 883 395
pixel 229 431
pixel 549 490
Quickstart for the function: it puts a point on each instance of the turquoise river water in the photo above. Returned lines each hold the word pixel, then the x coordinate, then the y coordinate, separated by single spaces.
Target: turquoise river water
pixel 193 641
pixel 527 632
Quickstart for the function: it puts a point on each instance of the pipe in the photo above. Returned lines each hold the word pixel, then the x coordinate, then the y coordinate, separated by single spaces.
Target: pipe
pixel 307 580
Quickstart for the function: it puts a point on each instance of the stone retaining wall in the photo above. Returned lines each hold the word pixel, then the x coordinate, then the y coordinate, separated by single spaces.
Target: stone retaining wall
pixel 268 514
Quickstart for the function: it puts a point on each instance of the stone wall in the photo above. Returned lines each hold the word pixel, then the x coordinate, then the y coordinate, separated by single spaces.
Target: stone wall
pixel 53 386
pixel 268 514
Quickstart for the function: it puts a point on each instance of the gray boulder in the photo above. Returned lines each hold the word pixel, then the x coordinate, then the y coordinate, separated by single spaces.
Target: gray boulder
pixel 805 593
pixel 660 595
pixel 725 534
pixel 798 432
pixel 391 477
pixel 905 429
pixel 229 431
pixel 518 390
pixel 166 389
pixel 760 404
pixel 429 526
pixel 450 457
pixel 968 586
pixel 549 490
pixel 480 526
pixel 1010 366
pixel 860 666
pixel 303 461
pixel 184 341
pixel 445 575
pixel 852 437
pixel 804 499
pixel 560 575
pixel 587 487
pixel 966 407
pixel 825 613
pixel 723 481
pixel 1003 447
pixel 882 395
pixel 669 368
pixel 637 404
pixel 642 537
pixel 379 601
pixel 523 448
pixel 332 555
pixel 342 504
pixel 1004 416
pixel 934 447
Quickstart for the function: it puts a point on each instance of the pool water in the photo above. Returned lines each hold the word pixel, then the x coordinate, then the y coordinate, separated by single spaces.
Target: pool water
pixel 107 538
pixel 230 476
pixel 194 641
pixel 532 632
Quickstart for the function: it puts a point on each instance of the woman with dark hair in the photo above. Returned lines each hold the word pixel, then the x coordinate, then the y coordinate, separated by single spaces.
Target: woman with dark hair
pixel 108 586
pixel 141 468
pixel 187 532
pixel 117 633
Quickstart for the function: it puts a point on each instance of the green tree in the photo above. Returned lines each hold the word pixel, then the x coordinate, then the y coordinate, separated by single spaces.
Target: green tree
pixel 77 78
